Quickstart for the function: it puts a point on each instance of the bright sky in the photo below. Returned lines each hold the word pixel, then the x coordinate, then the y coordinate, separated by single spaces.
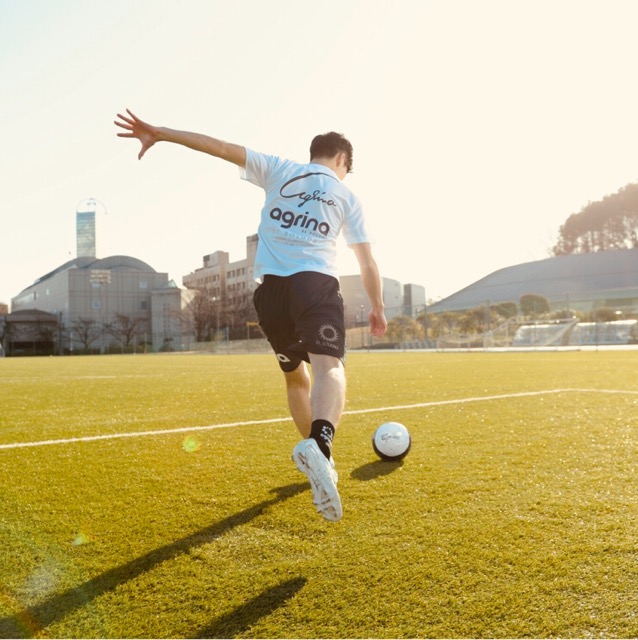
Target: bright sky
pixel 478 126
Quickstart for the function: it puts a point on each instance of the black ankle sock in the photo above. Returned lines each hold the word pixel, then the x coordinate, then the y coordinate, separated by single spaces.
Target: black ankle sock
pixel 323 432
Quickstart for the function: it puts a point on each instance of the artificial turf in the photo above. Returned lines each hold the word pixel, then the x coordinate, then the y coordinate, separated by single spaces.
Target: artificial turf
pixel 513 515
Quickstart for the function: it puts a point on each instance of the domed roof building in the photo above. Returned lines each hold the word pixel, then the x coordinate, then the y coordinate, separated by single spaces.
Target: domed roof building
pixel 101 304
pixel 91 296
pixel 582 282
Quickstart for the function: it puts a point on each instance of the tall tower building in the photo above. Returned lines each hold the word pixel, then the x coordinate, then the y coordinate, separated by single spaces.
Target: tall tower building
pixel 85 233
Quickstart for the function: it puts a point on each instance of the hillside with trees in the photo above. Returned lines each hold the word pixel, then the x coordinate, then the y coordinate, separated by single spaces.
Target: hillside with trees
pixel 610 223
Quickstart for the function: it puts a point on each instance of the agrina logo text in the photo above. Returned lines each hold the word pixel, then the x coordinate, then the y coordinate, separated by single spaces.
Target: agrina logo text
pixel 303 220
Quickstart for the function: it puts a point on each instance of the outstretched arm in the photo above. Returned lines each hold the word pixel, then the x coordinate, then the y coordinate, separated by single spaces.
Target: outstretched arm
pixel 372 284
pixel 148 135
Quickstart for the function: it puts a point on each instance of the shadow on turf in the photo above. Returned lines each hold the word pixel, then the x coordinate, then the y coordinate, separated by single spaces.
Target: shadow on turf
pixel 32 621
pixel 242 618
pixel 375 469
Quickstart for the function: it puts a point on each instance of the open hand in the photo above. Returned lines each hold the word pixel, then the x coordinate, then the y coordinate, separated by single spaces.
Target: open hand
pixel 136 128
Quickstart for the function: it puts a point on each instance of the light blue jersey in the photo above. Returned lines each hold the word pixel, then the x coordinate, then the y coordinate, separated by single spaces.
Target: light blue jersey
pixel 305 210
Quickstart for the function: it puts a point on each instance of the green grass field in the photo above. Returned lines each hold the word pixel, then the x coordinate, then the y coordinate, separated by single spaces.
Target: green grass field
pixel 514 515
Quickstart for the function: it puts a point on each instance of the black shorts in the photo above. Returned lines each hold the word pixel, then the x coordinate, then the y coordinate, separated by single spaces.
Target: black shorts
pixel 301 314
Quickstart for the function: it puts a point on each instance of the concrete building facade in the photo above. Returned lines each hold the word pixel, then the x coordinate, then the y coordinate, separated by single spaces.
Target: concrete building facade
pixel 229 286
pixel 95 293
pixel 110 304
pixel 357 306
pixel 29 332
pixel 220 278
pixel 414 300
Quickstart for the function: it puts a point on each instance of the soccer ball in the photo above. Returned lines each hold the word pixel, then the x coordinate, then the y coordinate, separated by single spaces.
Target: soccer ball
pixel 391 441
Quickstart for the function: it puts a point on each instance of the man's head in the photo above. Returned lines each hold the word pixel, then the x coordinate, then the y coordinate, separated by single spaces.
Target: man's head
pixel 333 149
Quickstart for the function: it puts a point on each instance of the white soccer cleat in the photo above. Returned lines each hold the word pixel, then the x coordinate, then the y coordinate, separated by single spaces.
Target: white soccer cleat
pixel 323 478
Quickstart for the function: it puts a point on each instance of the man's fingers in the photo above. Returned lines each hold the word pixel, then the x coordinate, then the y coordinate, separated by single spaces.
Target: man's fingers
pixel 129 121
pixel 134 128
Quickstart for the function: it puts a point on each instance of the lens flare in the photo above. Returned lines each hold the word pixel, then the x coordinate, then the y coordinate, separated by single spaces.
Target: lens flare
pixel 191 444
pixel 80 539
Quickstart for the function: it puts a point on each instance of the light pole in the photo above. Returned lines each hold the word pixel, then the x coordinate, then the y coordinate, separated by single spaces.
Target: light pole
pixel 216 301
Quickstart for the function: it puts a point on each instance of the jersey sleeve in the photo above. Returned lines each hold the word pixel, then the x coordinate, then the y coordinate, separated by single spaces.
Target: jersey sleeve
pixel 259 168
pixel 354 227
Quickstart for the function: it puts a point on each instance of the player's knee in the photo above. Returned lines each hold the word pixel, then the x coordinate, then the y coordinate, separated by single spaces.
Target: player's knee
pixel 299 378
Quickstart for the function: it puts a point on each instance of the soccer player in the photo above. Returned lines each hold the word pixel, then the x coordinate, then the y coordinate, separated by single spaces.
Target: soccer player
pixel 298 301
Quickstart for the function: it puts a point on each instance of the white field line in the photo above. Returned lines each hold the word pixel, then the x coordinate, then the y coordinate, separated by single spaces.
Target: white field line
pixel 226 425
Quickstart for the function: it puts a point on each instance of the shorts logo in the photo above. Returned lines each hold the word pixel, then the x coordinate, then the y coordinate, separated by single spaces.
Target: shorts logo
pixel 328 333
pixel 282 358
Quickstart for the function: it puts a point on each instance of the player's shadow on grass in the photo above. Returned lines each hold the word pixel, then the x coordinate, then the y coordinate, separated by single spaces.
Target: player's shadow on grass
pixel 242 618
pixel 375 469
pixel 32 621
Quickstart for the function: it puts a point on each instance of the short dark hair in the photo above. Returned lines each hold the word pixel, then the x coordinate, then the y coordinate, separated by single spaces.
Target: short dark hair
pixel 328 145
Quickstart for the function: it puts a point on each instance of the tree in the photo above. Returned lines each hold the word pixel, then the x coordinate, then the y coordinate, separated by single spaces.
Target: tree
pixel 610 223
pixel 603 314
pixel 207 315
pixel 239 312
pixel 404 328
pixel 505 309
pixel 6 333
pixel 44 333
pixel 202 314
pixel 87 332
pixel 477 320
pixel 441 324
pixel 125 329
pixel 533 305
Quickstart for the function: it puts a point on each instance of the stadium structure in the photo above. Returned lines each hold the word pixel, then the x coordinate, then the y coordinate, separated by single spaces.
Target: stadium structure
pixel 581 282
pixel 572 283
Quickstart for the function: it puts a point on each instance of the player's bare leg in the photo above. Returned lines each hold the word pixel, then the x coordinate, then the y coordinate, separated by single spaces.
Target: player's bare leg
pixel 298 392
pixel 313 454
pixel 328 395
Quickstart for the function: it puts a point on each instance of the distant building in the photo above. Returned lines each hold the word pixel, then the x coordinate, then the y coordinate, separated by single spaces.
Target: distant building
pixel 29 332
pixel 92 293
pixel 85 234
pixel 233 284
pixel 224 279
pixel 230 287
pixel 170 321
pixel 357 305
pixel 581 282
pixel 414 300
pixel 108 304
